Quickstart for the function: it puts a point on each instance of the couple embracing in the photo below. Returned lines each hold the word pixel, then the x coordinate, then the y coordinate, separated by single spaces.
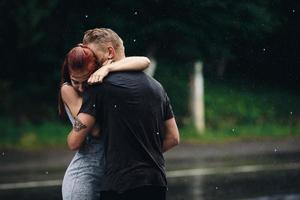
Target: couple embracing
pixel 122 124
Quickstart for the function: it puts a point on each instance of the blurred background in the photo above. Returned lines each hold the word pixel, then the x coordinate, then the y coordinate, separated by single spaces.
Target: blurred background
pixel 249 51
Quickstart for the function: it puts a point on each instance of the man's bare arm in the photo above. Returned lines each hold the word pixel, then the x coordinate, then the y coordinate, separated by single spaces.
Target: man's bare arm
pixel 171 135
pixel 82 126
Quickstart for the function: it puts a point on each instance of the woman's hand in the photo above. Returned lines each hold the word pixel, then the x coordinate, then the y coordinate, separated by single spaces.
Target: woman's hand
pixel 100 74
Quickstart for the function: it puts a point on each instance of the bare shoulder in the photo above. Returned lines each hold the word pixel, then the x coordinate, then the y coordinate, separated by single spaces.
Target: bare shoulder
pixel 66 89
pixel 68 93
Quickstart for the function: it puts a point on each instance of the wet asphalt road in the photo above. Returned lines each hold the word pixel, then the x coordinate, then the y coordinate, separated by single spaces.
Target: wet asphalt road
pixel 283 185
pixel 252 170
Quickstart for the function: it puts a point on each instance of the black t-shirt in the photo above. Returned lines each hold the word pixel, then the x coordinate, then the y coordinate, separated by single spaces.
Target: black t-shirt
pixel 130 108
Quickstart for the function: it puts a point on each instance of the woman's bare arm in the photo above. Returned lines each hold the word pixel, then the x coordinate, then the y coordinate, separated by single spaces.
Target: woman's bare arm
pixel 71 98
pixel 133 63
pixel 73 101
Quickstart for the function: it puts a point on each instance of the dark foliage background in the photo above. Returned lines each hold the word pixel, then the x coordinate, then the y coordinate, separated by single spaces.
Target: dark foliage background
pixel 246 42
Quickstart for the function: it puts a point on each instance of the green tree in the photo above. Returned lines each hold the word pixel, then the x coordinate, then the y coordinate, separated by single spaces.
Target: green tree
pixel 35 36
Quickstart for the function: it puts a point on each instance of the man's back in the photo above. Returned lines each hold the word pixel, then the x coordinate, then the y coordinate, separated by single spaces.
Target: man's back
pixel 132 108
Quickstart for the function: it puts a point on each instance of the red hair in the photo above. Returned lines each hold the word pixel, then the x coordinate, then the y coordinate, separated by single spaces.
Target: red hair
pixel 79 58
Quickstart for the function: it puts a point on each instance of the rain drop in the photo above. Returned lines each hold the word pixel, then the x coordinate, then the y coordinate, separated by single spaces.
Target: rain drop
pixel 233 130
pixel 135 13
pixel 86 16
pixel 115 106
pixel 293 11
pixel 275 150
pixel 47 172
pixel 217 188
pixel 264 49
pixel 157 133
pixel 291 113
pixel 134 40
pixel 3 153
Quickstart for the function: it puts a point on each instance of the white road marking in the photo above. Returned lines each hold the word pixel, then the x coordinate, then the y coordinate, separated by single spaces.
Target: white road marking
pixel 171 174
pixel 230 170
pixel 30 184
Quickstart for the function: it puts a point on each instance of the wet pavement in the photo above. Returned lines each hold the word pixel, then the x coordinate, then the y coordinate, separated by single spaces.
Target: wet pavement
pixel 247 170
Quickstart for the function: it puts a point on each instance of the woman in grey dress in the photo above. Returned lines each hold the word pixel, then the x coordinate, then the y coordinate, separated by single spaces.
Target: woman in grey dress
pixel 83 176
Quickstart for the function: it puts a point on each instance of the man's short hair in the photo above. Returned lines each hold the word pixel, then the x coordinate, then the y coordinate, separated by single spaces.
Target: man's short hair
pixel 102 36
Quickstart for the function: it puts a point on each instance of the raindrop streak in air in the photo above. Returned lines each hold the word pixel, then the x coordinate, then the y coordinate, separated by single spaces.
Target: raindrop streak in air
pixel 264 49
pixel 134 40
pixel 217 188
pixel 46 172
pixel 86 16
pixel 275 150
pixel 291 113
pixel 3 153
pixel 293 11
pixel 135 13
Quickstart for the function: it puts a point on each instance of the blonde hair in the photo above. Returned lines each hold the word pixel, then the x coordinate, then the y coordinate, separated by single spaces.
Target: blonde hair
pixel 103 36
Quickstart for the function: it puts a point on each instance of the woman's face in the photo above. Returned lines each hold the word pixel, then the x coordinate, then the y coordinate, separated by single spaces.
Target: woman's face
pixel 79 79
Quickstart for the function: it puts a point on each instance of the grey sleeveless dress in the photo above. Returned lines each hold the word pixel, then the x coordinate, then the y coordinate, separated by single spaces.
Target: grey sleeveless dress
pixel 83 177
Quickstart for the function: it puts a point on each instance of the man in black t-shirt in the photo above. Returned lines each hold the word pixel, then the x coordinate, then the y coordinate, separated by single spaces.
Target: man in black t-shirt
pixel 136 119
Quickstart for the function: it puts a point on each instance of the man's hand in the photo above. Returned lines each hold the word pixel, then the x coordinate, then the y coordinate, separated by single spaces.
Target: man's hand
pixel 100 74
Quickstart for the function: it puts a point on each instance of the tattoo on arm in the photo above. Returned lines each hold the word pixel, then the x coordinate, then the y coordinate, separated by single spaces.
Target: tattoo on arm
pixel 78 125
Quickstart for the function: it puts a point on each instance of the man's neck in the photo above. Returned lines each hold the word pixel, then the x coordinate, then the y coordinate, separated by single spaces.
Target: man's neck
pixel 119 57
